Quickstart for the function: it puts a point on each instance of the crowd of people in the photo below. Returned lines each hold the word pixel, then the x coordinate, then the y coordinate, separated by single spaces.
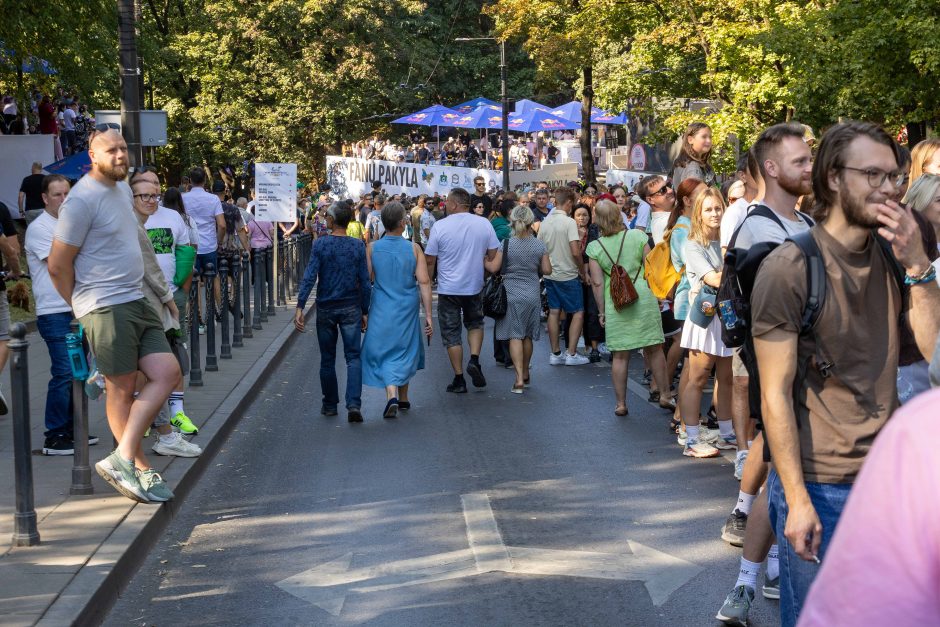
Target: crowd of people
pixel 805 288
pixel 62 115
pixel 461 151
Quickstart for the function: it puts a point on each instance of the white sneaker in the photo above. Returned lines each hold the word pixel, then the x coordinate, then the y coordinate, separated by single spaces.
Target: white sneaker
pixel 602 349
pixel 708 435
pixel 576 360
pixel 177 447
pixel 682 436
pixel 699 449
pixel 556 360
pixel 726 444
pixel 581 342
pixel 739 465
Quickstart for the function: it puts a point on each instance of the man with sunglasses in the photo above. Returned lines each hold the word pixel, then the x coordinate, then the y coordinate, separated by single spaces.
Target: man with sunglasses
pixel 479 195
pixel 657 193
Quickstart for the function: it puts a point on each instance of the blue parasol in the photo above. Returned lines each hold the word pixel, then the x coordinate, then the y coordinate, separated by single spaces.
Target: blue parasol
pixel 487 116
pixel 524 106
pixel 536 120
pixel 436 115
pixel 572 111
pixel 74 167
pixel 470 105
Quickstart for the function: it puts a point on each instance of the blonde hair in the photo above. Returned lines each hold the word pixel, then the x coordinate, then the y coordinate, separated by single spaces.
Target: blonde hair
pixel 607 216
pixel 521 219
pixel 920 155
pixel 699 232
pixel 923 191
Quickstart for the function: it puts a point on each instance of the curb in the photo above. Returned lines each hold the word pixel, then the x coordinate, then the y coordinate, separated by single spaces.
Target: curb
pixel 89 596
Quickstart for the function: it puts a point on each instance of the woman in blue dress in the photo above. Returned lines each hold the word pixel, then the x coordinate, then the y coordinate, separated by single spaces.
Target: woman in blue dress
pixel 393 349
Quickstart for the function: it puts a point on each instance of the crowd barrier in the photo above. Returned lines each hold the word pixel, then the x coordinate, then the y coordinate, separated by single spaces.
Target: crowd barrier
pixel 246 297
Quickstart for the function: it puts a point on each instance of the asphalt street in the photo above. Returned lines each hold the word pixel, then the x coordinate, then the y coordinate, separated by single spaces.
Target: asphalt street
pixel 487 508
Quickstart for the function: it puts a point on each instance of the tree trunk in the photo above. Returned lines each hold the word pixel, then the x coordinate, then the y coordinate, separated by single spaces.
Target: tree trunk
pixel 587 101
pixel 916 133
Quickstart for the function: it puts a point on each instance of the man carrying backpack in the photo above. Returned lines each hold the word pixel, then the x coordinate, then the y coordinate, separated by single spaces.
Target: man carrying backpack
pixel 827 391
pixel 781 165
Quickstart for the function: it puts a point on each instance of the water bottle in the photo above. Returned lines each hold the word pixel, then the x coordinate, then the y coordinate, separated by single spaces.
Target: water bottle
pixel 73 344
pixel 728 317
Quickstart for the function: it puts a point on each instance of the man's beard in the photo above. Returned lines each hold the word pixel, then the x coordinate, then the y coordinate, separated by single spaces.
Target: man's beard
pixel 115 173
pixel 795 186
pixel 854 209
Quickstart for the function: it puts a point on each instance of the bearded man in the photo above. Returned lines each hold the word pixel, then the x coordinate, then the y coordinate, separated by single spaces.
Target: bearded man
pixel 97 266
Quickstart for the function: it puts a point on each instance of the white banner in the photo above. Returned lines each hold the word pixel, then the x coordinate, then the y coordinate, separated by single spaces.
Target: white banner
pixel 349 177
pixel 17 154
pixel 276 192
pixel 627 178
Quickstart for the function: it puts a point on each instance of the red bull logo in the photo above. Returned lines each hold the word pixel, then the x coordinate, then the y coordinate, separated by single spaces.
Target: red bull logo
pixel 552 123
pixel 418 117
pixel 449 116
pixel 515 122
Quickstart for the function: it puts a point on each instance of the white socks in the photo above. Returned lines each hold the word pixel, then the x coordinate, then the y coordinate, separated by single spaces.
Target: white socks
pixel 175 403
pixel 744 503
pixel 692 432
pixel 169 438
pixel 747 576
pixel 725 429
pixel 773 563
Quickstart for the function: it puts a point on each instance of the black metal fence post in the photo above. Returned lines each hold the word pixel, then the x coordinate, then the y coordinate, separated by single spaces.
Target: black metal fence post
pixel 25 531
pixel 269 277
pixel 81 467
pixel 212 364
pixel 195 361
pixel 257 264
pixel 281 275
pixel 236 272
pixel 246 295
pixel 225 349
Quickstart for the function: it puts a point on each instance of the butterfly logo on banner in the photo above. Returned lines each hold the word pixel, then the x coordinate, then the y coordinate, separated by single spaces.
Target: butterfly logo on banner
pixel 427 177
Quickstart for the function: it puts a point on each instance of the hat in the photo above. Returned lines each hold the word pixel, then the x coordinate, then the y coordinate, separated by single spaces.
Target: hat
pixel 218 187
pixel 704 307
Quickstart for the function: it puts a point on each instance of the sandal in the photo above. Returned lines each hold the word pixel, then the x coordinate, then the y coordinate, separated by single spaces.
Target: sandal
pixel 621 411
pixel 517 389
pixel 674 425
pixel 525 382
pixel 654 397
pixel 669 403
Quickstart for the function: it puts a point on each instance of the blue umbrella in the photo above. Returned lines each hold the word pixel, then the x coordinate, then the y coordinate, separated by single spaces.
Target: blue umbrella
pixel 487 116
pixel 524 106
pixel 572 111
pixel 73 167
pixel 30 65
pixel 536 120
pixel 470 105
pixel 436 115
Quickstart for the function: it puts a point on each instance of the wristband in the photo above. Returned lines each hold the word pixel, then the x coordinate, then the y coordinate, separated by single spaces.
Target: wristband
pixel 928 275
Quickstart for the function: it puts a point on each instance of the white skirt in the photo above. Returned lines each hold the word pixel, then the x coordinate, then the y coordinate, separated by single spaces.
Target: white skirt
pixel 707 340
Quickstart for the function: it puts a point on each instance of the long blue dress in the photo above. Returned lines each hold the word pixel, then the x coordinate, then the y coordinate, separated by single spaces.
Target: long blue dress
pixel 392 351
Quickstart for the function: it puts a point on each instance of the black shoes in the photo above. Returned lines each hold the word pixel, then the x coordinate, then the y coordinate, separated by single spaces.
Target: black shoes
pixel 354 414
pixel 404 405
pixel 476 374
pixel 391 409
pixel 733 530
pixel 594 356
pixel 58 445
pixel 325 411
pixel 458 386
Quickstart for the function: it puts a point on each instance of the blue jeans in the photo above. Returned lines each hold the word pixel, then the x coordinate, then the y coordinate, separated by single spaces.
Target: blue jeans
pixel 53 329
pixel 796 574
pixel 331 323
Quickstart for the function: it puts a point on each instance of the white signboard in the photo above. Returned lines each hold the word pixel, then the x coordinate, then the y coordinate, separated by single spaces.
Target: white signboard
pixel 152 125
pixel 349 177
pixel 17 154
pixel 638 157
pixel 276 192
pixel 627 178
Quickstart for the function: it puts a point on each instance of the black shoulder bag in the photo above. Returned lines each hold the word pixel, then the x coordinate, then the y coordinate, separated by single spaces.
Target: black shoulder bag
pixel 495 302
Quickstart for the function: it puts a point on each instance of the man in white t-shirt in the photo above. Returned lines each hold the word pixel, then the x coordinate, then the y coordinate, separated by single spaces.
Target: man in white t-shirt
pixel 53 319
pixel 458 245
pixel 205 209
pixel 659 196
pixel 68 121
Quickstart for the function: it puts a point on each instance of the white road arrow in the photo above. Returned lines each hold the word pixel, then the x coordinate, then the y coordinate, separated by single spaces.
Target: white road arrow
pixel 327 585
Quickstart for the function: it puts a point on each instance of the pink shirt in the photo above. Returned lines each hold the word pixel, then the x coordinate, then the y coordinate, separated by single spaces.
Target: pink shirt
pixel 883 566
pixel 260 233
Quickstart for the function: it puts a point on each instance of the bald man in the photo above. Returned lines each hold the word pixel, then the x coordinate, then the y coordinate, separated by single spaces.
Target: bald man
pixel 97 266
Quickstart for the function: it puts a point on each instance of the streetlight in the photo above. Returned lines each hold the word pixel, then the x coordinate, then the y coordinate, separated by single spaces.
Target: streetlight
pixel 504 133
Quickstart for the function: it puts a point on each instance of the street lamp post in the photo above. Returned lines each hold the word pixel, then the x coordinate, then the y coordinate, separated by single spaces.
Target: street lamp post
pixel 130 81
pixel 504 132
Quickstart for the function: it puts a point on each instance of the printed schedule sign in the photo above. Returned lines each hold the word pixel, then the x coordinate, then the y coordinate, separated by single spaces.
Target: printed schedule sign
pixel 276 192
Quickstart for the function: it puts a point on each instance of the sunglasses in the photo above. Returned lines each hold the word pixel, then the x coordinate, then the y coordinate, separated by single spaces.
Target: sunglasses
pixel 103 128
pixel 667 187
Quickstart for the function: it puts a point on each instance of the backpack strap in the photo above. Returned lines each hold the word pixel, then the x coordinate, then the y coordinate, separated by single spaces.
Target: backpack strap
pixel 763 211
pixel 816 279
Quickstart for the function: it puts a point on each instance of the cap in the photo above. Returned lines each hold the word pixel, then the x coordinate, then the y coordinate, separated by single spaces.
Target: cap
pixel 218 187
pixel 703 309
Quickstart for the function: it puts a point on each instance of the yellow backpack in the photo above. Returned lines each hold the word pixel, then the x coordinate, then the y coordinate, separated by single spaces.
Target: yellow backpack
pixel 659 272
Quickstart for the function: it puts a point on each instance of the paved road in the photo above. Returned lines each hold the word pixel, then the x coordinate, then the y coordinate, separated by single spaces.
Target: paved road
pixel 482 509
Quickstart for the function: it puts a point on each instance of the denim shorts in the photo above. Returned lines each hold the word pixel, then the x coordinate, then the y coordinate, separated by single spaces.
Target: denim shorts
pixel 449 310
pixel 202 260
pixel 565 295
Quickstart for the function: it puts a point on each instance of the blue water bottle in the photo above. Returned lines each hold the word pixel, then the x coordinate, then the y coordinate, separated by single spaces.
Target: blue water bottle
pixel 73 344
pixel 728 316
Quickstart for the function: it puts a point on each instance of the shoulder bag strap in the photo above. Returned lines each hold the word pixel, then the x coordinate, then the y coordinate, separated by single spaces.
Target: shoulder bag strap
pixel 502 268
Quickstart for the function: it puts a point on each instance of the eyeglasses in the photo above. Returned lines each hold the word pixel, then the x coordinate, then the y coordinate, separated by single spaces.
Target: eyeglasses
pixel 148 197
pixel 667 187
pixel 480 184
pixel 876 177
pixel 104 127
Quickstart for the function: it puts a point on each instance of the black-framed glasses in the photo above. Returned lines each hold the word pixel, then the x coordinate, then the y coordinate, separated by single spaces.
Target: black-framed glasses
pixel 148 197
pixel 480 183
pixel 667 187
pixel 876 177
pixel 106 126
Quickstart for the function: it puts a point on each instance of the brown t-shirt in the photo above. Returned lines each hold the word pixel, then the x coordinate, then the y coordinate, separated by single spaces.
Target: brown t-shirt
pixel 857 331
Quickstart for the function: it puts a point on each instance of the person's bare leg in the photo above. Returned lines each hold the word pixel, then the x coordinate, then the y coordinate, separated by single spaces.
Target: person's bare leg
pixel 657 362
pixel 723 388
pixel 554 329
pixel 672 359
pixel 574 331
pixel 455 353
pixel 755 468
pixel 698 366
pixel 759 535
pixel 475 340
pixel 162 372
pixel 517 353
pixel 391 391
pixel 618 375
pixel 526 357
pixel 403 393
pixel 740 410
pixel 4 354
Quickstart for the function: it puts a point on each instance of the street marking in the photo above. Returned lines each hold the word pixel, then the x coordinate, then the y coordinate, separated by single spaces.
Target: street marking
pixel 327 585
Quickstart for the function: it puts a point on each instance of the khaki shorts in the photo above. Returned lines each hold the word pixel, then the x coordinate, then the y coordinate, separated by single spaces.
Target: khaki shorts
pixel 737 364
pixel 120 335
